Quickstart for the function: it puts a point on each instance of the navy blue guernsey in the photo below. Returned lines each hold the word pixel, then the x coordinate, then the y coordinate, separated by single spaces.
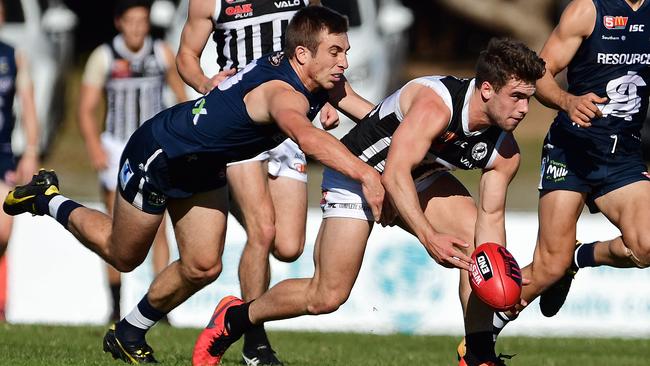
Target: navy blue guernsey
pixel 8 72
pixel 614 62
pixel 219 123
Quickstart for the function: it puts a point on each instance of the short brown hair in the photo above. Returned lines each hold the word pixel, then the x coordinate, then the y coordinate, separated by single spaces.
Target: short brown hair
pixel 505 59
pixel 306 25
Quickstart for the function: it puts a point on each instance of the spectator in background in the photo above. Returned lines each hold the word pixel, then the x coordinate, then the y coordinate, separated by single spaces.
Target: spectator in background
pixel 130 73
pixel 14 79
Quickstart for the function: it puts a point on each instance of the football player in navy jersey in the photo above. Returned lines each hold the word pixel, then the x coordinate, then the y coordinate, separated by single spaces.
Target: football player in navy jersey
pixel 176 161
pixel 270 189
pixel 592 152
pixel 414 137
pixel 15 80
pixel 129 73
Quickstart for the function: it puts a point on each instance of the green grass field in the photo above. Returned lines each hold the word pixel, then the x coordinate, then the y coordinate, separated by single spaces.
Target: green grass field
pixel 59 345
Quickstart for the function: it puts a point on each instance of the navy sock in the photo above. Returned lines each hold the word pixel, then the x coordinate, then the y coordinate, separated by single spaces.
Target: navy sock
pixel 480 347
pixel 237 320
pixel 57 206
pixel 133 328
pixel 584 256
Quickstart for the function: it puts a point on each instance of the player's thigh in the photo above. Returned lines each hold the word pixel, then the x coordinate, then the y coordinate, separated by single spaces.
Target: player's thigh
pixel 338 254
pixel 627 208
pixel 289 198
pixel 558 215
pixel 200 227
pixel 249 187
pixel 133 230
pixel 449 207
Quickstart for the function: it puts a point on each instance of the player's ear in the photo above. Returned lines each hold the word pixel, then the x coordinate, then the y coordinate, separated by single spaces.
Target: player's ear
pixel 487 91
pixel 302 54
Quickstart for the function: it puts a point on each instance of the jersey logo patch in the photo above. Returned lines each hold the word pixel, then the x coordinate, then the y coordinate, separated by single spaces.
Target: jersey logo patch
pixel 479 151
pixel 614 22
pixel 276 58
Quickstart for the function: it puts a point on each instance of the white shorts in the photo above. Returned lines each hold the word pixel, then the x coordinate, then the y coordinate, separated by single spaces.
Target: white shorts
pixel 113 148
pixel 343 196
pixel 284 160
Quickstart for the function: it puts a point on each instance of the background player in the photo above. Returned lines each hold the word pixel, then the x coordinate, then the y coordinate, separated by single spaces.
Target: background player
pixel 129 73
pixel 270 189
pixel 595 139
pixel 15 79
pixel 177 161
pixel 429 126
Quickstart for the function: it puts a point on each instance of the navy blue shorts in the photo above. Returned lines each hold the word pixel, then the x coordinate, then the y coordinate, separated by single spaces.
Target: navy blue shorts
pixel 590 163
pixel 7 164
pixel 148 178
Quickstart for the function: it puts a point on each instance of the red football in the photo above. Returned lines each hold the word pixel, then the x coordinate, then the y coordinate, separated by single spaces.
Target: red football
pixel 495 276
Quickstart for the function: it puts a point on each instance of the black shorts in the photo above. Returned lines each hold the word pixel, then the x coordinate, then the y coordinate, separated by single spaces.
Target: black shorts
pixel 596 165
pixel 147 177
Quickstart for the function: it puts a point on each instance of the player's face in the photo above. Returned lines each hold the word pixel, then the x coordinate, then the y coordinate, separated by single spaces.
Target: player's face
pixel 330 60
pixel 509 105
pixel 134 26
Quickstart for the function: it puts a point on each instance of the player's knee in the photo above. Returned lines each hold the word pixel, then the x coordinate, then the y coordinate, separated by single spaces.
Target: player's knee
pixel 287 253
pixel 126 265
pixel 640 256
pixel 327 302
pixel 261 235
pixel 201 273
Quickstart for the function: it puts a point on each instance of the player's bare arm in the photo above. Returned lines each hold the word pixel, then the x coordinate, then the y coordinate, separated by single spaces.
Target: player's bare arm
pixel 276 101
pixel 195 34
pixel 90 97
pixel 493 186
pixel 29 161
pixel 345 99
pixel 426 117
pixel 576 24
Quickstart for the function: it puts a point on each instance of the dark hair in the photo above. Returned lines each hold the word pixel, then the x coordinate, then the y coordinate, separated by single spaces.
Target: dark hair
pixel 505 59
pixel 306 25
pixel 123 5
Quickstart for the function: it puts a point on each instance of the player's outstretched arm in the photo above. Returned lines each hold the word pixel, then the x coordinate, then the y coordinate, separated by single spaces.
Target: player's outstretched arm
pixel 577 23
pixel 345 99
pixel 288 109
pixel 426 117
pixel 493 187
pixel 195 34
pixel 29 161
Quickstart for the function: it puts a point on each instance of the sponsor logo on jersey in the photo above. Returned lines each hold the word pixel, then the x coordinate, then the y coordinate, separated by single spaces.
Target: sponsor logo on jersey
pixel 637 27
pixel 623 58
pixel 614 22
pixel 479 151
pixel 240 11
pixel 286 3
pixel 611 38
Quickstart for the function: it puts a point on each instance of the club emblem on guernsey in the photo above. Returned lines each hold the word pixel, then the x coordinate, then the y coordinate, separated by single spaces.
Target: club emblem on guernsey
pixel 125 174
pixel 479 151
pixel 198 110
pixel 276 58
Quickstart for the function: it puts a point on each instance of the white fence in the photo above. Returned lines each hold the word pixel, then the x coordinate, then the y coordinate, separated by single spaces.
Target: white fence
pixel 53 279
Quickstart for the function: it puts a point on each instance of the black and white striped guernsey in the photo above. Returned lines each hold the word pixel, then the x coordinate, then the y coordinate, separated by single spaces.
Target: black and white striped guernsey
pixel 134 86
pixel 244 30
pixel 456 148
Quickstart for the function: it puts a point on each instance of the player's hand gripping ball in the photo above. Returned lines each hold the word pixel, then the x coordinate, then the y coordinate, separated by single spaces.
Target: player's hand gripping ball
pixel 495 276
